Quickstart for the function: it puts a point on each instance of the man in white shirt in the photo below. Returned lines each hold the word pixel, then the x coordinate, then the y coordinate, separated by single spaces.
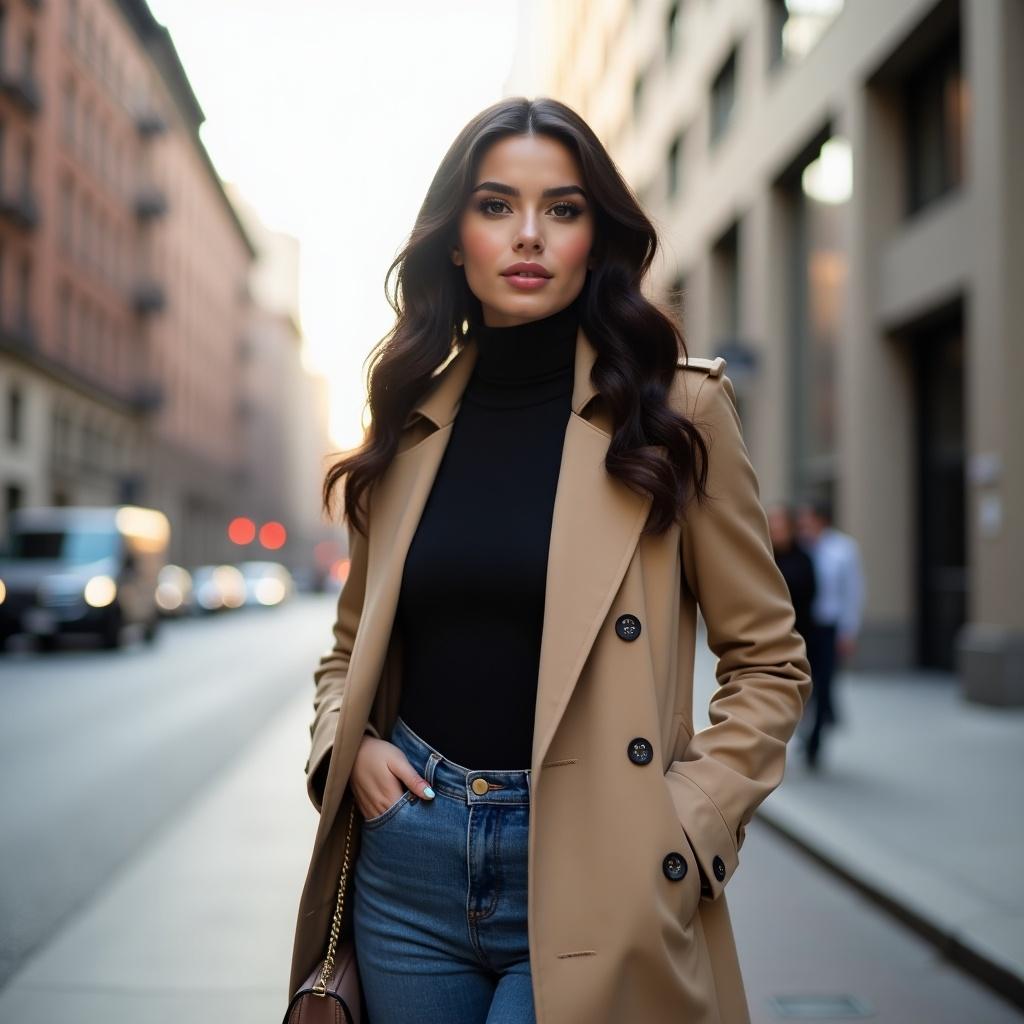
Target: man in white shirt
pixel 836 613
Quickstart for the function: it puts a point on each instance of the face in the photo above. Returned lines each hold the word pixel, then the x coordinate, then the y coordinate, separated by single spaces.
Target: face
pixel 807 522
pixel 509 219
pixel 778 528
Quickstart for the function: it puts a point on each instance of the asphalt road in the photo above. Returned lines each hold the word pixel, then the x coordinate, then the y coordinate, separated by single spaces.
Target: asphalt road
pixel 102 755
pixel 100 749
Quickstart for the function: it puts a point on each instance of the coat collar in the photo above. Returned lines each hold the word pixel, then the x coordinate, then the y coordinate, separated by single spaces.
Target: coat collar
pixel 596 525
pixel 441 403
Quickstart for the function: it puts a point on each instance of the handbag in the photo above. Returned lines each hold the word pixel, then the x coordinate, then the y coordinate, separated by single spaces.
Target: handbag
pixel 332 993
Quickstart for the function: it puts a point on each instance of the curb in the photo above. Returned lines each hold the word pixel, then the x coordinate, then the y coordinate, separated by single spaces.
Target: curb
pixel 951 941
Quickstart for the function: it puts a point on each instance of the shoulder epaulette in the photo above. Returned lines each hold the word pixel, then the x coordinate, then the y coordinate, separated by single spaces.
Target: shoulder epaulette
pixel 712 367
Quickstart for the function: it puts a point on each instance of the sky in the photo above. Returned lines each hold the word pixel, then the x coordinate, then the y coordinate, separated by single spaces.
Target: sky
pixel 331 117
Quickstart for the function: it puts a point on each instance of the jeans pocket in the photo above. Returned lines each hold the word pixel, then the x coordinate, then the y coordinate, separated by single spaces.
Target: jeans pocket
pixel 386 815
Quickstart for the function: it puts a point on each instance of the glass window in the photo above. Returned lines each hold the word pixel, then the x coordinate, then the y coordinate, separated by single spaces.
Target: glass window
pixel 75 547
pixel 723 96
pixel 671 28
pixel 64 317
pixel 818 268
pixel 935 115
pixel 67 208
pixel 674 165
pixel 25 291
pixel 795 26
pixel 14 415
pixel 69 113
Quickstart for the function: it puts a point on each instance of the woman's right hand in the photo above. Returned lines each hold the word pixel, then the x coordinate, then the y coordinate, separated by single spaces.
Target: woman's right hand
pixel 378 774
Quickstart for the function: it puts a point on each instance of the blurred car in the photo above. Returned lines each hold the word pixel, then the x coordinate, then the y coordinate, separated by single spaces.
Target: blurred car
pixel 309 579
pixel 82 569
pixel 174 591
pixel 217 588
pixel 266 583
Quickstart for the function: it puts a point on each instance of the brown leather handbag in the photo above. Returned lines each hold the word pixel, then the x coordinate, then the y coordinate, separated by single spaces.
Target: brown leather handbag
pixel 332 993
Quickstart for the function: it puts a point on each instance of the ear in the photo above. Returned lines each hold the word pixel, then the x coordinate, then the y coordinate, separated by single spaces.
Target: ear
pixel 456 257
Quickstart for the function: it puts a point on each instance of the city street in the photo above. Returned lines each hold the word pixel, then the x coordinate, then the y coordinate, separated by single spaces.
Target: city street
pixel 154 848
pixel 101 752
pixel 436 299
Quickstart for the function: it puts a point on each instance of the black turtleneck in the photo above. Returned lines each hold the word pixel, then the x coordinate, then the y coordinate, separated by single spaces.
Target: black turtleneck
pixel 471 605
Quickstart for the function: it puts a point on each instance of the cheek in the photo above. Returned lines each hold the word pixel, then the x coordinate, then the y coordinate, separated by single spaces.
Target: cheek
pixel 574 249
pixel 481 243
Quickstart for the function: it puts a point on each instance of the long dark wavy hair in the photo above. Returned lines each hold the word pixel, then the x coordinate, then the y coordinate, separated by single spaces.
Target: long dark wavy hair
pixel 652 449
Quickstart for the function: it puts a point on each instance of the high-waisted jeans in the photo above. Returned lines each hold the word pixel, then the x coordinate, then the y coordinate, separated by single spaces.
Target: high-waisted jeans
pixel 439 897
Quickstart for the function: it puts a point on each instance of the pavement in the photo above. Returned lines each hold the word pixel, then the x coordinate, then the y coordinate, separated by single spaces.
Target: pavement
pixel 195 928
pixel 918 802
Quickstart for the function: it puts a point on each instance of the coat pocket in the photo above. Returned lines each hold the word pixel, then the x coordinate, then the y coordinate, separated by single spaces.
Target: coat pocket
pixel 680 873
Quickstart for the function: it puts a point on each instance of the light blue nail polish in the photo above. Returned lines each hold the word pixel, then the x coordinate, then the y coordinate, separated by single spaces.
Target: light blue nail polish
pixel 428 792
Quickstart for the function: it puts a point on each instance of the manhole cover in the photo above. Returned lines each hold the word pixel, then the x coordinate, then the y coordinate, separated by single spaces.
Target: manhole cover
pixel 820 1008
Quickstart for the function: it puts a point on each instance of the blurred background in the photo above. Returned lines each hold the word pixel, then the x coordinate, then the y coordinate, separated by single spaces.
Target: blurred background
pixel 198 202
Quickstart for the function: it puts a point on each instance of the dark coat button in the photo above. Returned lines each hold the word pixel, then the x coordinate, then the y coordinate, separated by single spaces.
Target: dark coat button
pixel 674 866
pixel 718 866
pixel 640 751
pixel 628 627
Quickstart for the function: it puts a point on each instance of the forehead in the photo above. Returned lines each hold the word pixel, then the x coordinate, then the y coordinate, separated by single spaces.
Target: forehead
pixel 530 161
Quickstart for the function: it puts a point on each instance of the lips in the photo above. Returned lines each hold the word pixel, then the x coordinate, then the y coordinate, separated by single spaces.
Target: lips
pixel 525 270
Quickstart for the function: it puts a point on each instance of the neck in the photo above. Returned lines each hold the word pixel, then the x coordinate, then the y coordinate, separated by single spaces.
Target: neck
pixel 527 351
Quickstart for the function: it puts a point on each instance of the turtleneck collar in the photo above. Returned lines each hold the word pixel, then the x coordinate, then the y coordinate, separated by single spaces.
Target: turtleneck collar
pixel 522 354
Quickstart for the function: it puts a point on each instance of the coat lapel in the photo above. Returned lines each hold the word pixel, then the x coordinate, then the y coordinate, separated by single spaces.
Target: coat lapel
pixel 594 531
pixel 595 528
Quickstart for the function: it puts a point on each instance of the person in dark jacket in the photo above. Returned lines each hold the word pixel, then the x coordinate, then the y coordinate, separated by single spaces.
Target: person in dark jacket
pixel 797 567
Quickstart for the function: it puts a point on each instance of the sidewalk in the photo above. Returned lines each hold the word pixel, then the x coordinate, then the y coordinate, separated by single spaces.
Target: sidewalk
pixel 919 804
pixel 182 937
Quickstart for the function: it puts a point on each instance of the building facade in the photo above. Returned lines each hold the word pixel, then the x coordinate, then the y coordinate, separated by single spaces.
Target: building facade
pixel 285 408
pixel 837 190
pixel 123 275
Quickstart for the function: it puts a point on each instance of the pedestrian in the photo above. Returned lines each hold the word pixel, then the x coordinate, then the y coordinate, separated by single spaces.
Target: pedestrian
pixel 836 616
pixel 546 493
pixel 795 564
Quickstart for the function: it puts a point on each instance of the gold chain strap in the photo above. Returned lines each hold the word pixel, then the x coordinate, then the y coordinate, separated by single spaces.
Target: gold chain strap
pixel 320 988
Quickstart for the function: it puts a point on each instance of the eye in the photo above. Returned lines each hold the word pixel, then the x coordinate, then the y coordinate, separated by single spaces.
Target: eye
pixel 574 210
pixel 484 205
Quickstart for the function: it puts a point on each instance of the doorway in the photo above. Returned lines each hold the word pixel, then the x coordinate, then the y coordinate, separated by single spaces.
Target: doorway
pixel 940 513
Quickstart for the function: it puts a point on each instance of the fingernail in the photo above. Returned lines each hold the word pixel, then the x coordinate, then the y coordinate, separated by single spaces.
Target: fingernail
pixel 428 792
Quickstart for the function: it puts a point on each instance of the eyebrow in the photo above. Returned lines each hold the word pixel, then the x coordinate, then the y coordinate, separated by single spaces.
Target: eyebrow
pixel 509 190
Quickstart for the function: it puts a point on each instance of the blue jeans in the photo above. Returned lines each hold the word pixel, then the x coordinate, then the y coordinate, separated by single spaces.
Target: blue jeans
pixel 439 897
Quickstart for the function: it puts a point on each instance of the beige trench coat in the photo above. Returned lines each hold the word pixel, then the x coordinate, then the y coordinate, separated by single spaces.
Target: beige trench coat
pixel 612 937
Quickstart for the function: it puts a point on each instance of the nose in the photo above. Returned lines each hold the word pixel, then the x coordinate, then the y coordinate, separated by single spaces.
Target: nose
pixel 529 234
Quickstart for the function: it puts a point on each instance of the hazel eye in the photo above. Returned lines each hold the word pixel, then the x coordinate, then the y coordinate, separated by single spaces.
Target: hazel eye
pixel 574 210
pixel 484 205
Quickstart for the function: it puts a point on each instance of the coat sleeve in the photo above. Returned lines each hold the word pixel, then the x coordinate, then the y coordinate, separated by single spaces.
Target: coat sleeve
pixel 332 671
pixel 763 675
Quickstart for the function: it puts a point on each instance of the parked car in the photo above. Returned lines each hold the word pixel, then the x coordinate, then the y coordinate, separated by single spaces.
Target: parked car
pixel 174 591
pixel 266 583
pixel 217 588
pixel 82 569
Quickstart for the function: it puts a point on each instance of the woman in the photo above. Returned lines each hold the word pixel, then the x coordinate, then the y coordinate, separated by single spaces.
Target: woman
pixel 547 492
